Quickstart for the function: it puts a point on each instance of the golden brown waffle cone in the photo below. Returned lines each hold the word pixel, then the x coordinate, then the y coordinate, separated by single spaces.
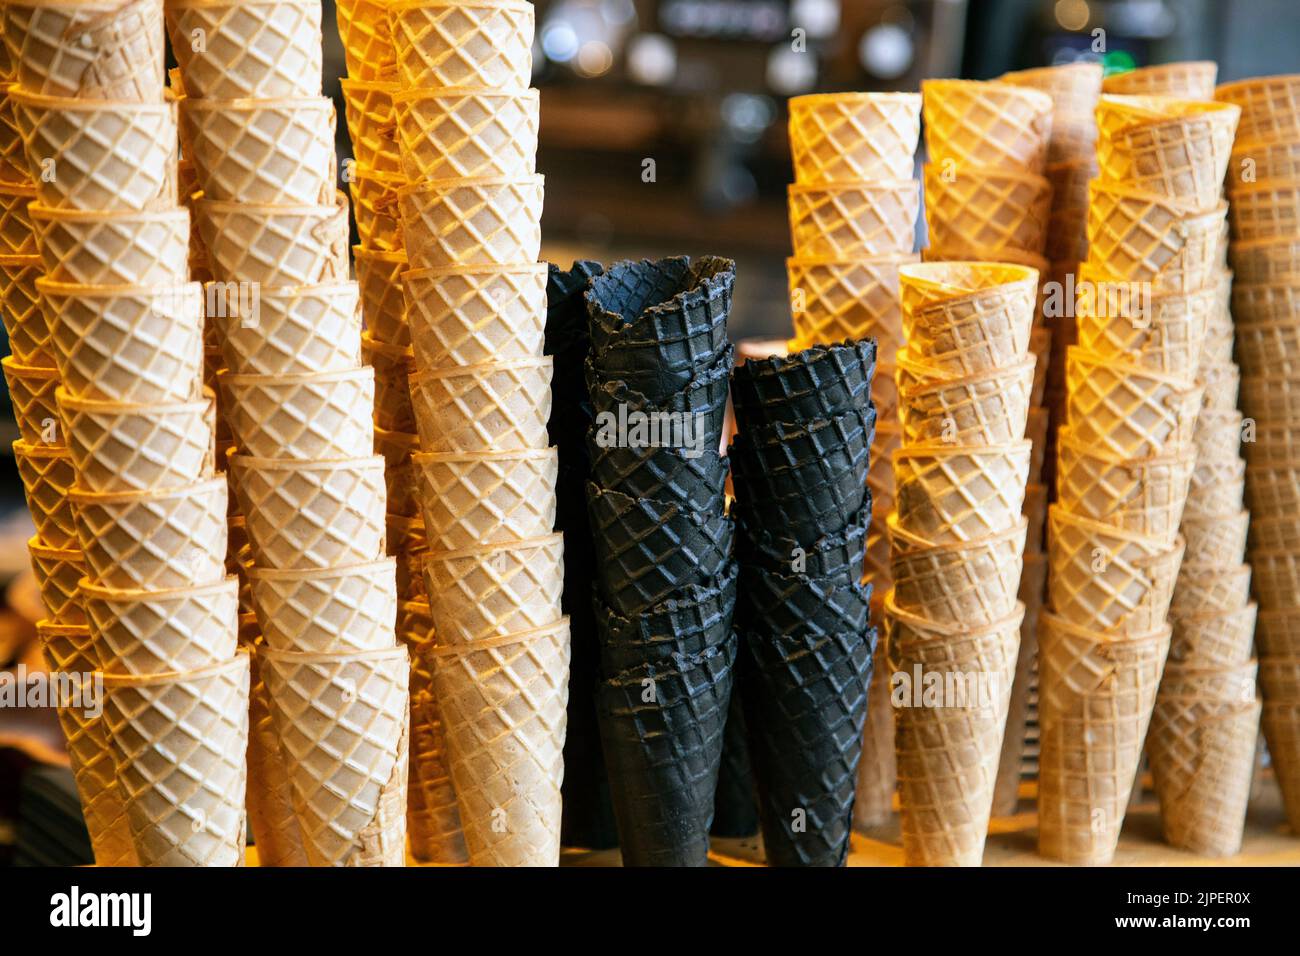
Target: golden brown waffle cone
pixel 1215 639
pixel 1163 332
pixel 166 538
pixel 500 406
pixel 31 393
pixel 1203 589
pixel 312 416
pixel 480 43
pixel 1127 410
pixel 475 314
pixel 1257 262
pixel 1136 237
pixel 854 137
pixel 880 476
pixel 988 408
pixel 503 707
pixel 134 344
pixel 1281 725
pixel 1278 633
pixel 66 648
pixel 289 331
pixel 975 582
pixel 343 723
pixel 399 470
pixel 1268 105
pixel 259 50
pixel 180 741
pixel 1277 577
pixel 13 159
pixel 348 609
pixel 487 221
pixel 262 151
pixel 312 514
pixel 1107 580
pixel 269 798
pixel 854 220
pixel 1216 539
pixel 112 248
pixel 877 770
pixel 47 474
pixel 1274 534
pixel 58 577
pixel 99 155
pixel 986 211
pixel 120 447
pixel 450 134
pixel 393 367
pixel 949 494
pixel 471 500
pixel 496 590
pixel 374 203
pixel 1265 210
pixel 973 124
pixel 1145 496
pixel 1006 785
pixel 1095 696
pixel 1067 229
pixel 1253 162
pixel 275 245
pixel 1073 87
pixel 368 106
pixel 163 631
pixel 16 237
pixel 382 301
pixel 24 320
pixel 1192 79
pixel 1271 484
pixel 1279 678
pixel 837 299
pixel 945 804
pixel 106 50
pixel 1202 754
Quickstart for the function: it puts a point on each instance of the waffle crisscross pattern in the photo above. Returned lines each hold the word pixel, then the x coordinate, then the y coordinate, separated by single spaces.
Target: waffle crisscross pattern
pixel 145 249
pixel 948 495
pixel 138 448
pixel 845 138
pixel 47 475
pixel 503 406
pixel 163 632
pixel 258 50
pixel 496 591
pixel 854 220
pixel 496 221
pixel 349 609
pixel 24 321
pixel 471 501
pixel 469 317
pixel 464 44
pixel 454 134
pixel 312 416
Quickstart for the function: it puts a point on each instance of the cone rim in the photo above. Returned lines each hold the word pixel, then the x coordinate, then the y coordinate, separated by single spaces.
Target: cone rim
pixel 843 186
pixel 39 210
pixel 1155 545
pixel 38 547
pixel 79 495
pixel 916 622
pixel 361 373
pixel 378 255
pixel 259 573
pixel 253 463
pixel 47 626
pixel 443 186
pixel 85 104
pixel 398 650
pixel 246 104
pixel 924 545
pixel 501 640
pixel 100 592
pixel 40 450
pixel 105 406
pixel 28 371
pixel 1052 619
pixel 472 457
pixel 517 544
pixel 438 272
pixel 416 93
pixel 48 286
pixel 480 368
pixel 240 661
pixel 815 100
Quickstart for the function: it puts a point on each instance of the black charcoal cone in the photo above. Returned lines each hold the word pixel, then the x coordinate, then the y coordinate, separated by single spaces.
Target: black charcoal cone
pixel 568 340
pixel 694 478
pixel 662 726
pixel 824 381
pixel 836 482
pixel 660 303
pixel 694 620
pixel 703 398
pixel 805 699
pixel 780 446
pixel 647 550
pixel 837 557
pixel 735 809
pixel 783 605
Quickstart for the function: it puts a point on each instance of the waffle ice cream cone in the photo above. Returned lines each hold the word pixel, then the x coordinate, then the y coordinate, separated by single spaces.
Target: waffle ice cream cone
pixel 854 220
pixel 121 447
pixel 989 408
pixel 469 500
pixel 471 315
pixel 399 470
pixel 24 320
pixel 312 514
pixel 13 160
pixel 1127 410
pixel 1137 237
pixel 503 704
pixel 131 344
pixel 1096 695
pixel 349 609
pixel 105 50
pixel 1217 638
pixel 179 741
pixel 854 137
pixel 260 50
pixel 481 221
pixel 367 37
pixel 343 723
pixel 94 247
pixel 16 237
pixel 502 406
pixel 275 245
pixel 483 43
pixel 47 475
pixel 393 367
pixel 314 416
pixel 375 206
pixel 1211 590
pixel 291 332
pixel 262 151
pixel 101 155
pixel 877 769
pixel 1163 332
pixel 1216 539
pixel 32 395
pixel 58 578
pixel 452 134
pixel 154 540
pixel 949 494
pixel 987 211
pixel 986 124
pixel 1268 105
pixel 432 816
pixel 837 299
pixel 368 107
pixel 1192 80
pixel 496 590
pixel 270 799
pixel 948 755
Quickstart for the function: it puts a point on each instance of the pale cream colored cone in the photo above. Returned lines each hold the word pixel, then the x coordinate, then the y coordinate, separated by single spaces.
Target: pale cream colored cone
pixel 319 415
pixel 348 609
pixel 306 329
pixel 469 500
pixel 475 314
pixel 1216 638
pixel 481 43
pixel 275 245
pixel 94 247
pixel 261 50
pixel 950 494
pixel 269 797
pixel 498 406
pixel 478 221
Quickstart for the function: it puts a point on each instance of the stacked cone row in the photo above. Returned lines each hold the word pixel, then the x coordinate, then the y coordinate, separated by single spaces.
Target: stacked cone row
pixel 373 176
pixel 330 697
pixel 1264 196
pixel 1149 295
pixel 458 226
pixel 160 614
pixel 953 618
pixel 802 506
pixel 987 198
pixel 665 581
pixel 853 209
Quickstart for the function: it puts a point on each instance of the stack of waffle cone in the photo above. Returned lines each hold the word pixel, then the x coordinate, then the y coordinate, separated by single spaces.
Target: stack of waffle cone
pixel 996 152
pixel 329 731
pixel 144 567
pixel 1262 177
pixel 1185 80
pixel 853 210
pixel 456 226
pixel 1147 298
pixel 954 618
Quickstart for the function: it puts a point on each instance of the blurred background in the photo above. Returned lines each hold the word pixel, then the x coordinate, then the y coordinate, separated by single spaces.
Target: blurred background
pixel 664 132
